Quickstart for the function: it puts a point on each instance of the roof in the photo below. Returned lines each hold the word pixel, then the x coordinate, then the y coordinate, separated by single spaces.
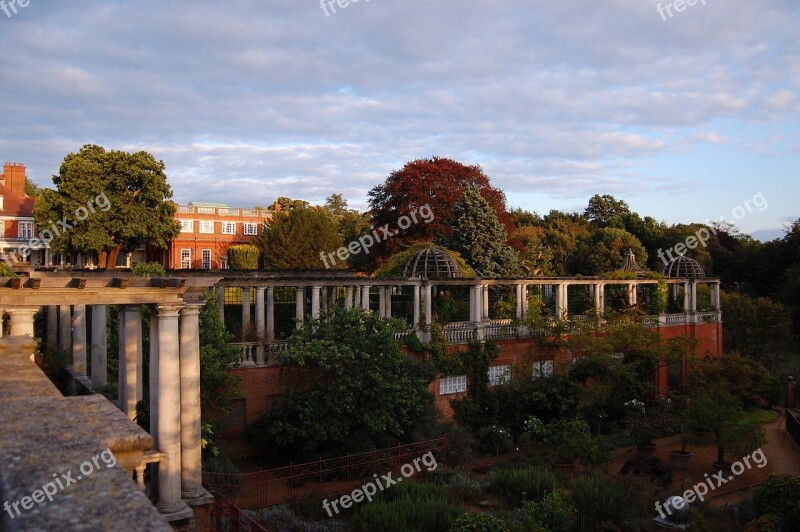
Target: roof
pixel 14 205
pixel 209 204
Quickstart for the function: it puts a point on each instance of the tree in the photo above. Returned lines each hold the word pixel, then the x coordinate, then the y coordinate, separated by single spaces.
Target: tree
pixel 243 257
pixel 287 204
pixel 756 327
pixel 438 182
pixel 605 210
pixel 217 385
pixel 31 188
pixel 295 241
pixel 478 236
pixel 537 258
pixel 357 390
pixel 336 205
pixel 114 202
pixel 607 248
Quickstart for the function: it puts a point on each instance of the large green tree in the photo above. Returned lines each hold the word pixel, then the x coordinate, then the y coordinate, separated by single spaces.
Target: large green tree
pixel 107 202
pixel 480 238
pixel 295 240
pixel 357 389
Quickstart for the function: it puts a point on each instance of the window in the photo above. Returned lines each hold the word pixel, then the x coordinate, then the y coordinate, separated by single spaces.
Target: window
pixel 1 202
pixel 250 229
pixel 448 385
pixel 499 374
pixel 187 226
pixel 228 228
pixel 205 210
pixel 2 228
pixel 542 368
pixel 186 259
pixel 206 226
pixel 26 230
pixel 205 259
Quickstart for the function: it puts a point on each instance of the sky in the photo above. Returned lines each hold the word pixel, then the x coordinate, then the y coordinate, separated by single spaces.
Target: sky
pixel 686 115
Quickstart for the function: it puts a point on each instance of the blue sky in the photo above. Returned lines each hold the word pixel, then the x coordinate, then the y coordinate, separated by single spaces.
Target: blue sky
pixel 245 101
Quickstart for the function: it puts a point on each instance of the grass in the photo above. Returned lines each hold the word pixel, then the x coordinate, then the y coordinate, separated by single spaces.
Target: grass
pixel 761 415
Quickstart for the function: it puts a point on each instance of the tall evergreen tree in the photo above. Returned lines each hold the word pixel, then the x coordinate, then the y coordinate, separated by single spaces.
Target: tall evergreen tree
pixel 295 241
pixel 480 238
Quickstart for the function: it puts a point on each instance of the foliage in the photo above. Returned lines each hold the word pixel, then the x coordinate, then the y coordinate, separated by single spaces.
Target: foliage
pixel 650 467
pixel 243 257
pixel 644 424
pixel 6 270
pixel 418 506
pixel 572 440
pixel 779 496
pixel 217 385
pixel 221 476
pixel 432 424
pixel 530 483
pixel 148 269
pixel 754 327
pixel 481 522
pixel 554 512
pixel 721 412
pixel 745 377
pixel 396 264
pixel 493 439
pixel 282 518
pixel 283 204
pixel 357 390
pixel 135 210
pixel 31 188
pixel 437 182
pixel 659 298
pixel 480 238
pixel 607 249
pixel 535 254
pixel 605 210
pixel 295 241
pixel 603 503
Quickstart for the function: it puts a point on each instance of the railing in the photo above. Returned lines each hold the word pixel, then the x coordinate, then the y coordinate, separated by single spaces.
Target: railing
pixel 500 329
pixel 459 332
pixel 249 352
pixel 402 334
pixel 707 317
pixel 675 319
pixel 323 478
pixel 226 516
pixel 650 321
pixel 192 209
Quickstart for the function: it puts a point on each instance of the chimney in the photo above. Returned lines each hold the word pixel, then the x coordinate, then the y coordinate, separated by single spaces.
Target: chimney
pixel 14 178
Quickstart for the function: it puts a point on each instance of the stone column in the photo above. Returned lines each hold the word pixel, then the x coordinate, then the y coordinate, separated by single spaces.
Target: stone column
pixel 693 296
pixel 599 298
pixel 52 326
pixel 221 302
pixel 99 347
pixel 348 297
pixel 169 411
pixel 518 293
pixel 324 299
pixel 365 297
pixel 632 299
pixel 79 339
pixel 485 302
pixel 415 325
pixel 299 313
pixel 562 301
pixel 382 301
pixel 191 460
pixel 427 295
pixel 315 302
pixel 246 322
pixel 357 296
pixel 21 321
pixel 65 327
pixel 132 359
pixel 122 377
pixel 687 294
pixel 260 325
pixel 154 374
pixel 270 326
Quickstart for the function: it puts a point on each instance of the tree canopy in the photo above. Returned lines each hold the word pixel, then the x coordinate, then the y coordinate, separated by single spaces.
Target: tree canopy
pixel 107 202
pixel 295 240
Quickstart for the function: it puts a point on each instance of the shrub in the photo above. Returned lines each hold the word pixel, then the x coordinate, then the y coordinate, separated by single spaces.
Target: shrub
pixel 493 439
pixel 222 476
pixel 478 523
pixel 604 502
pixel 519 485
pixel 554 512
pixel 648 466
pixel 458 485
pixel 243 257
pixel 779 496
pixel 418 506
pixel 148 269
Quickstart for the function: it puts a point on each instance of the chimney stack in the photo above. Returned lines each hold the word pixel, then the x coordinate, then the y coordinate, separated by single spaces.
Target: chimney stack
pixel 14 178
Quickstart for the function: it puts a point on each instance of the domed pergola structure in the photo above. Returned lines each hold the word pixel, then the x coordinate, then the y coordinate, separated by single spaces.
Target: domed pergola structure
pixel 684 267
pixel 632 266
pixel 432 263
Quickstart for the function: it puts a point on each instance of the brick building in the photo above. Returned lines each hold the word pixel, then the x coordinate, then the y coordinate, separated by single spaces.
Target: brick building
pixel 208 230
pixel 16 220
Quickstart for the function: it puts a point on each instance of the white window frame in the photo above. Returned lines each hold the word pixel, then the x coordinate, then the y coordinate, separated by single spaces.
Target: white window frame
pixel 228 228
pixel 25 230
pixel 452 384
pixel 499 374
pixel 206 258
pixel 186 258
pixel 250 229
pixel 542 368
pixel 206 210
pixel 187 226
pixel 206 227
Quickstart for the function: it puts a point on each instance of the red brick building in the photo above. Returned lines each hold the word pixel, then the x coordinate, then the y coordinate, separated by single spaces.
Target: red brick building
pixel 208 230
pixel 17 230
